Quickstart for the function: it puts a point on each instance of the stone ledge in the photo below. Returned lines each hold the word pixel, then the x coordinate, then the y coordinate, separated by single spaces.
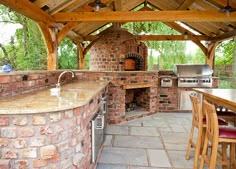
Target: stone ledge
pixel 139 85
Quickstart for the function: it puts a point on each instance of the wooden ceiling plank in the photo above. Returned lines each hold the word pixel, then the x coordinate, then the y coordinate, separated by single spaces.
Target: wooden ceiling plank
pixel 199 28
pixel 209 27
pixel 225 36
pixel 90 28
pixel 202 5
pixel 129 5
pixel 164 5
pixel 222 26
pixel 75 5
pixel 29 10
pixel 186 4
pixel 165 16
pixel 118 5
pixel 60 6
pixel 41 3
pixel 223 3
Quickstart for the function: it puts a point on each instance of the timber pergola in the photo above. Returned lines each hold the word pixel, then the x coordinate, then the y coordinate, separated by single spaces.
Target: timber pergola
pixel 78 21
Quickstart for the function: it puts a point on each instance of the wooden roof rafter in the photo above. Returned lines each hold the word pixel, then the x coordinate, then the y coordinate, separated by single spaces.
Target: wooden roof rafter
pixel 29 10
pixel 76 19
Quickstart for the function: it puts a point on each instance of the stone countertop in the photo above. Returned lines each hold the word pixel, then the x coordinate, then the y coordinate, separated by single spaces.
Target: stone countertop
pixel 72 95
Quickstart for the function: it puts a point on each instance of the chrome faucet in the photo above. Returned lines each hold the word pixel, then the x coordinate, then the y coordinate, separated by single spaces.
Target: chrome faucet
pixel 62 73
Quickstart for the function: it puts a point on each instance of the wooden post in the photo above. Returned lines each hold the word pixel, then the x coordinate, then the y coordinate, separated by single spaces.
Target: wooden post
pixel 211 54
pixel 50 39
pixel 80 56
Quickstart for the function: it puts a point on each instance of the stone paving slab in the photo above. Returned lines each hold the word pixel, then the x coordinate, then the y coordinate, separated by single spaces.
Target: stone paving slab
pixel 110 166
pixel 135 167
pixel 138 142
pixel 108 140
pixel 156 123
pixel 116 129
pixel 158 158
pixel 144 131
pixel 175 138
pixel 124 156
pixel 178 159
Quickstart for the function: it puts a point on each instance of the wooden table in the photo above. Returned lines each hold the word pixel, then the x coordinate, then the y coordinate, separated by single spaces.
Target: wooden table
pixel 221 97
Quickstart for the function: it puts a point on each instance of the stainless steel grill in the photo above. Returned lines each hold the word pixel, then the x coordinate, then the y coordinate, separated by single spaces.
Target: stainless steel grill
pixel 193 75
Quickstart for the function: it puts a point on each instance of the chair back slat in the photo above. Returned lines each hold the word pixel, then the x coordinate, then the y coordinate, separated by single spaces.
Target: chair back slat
pixel 197 116
pixel 212 126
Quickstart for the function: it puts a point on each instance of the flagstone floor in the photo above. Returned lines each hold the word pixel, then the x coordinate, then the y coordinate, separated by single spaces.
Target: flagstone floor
pixel 154 142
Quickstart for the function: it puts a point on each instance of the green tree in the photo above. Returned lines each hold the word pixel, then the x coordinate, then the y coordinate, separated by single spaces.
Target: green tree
pixel 26 51
pixel 195 56
pixel 67 55
pixel 224 53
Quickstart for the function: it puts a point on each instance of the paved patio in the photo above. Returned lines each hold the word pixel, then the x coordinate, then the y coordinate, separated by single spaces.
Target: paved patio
pixel 154 142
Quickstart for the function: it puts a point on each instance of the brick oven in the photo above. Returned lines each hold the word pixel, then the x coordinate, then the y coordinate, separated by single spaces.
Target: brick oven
pixel 118 50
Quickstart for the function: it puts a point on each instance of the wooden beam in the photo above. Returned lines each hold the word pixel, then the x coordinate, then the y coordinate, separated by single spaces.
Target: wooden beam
pixel 160 37
pixel 65 30
pixel 49 43
pixel 171 37
pixel 201 46
pixel 50 39
pixel 70 34
pixel 139 16
pixel 80 56
pixel 211 54
pixel 28 9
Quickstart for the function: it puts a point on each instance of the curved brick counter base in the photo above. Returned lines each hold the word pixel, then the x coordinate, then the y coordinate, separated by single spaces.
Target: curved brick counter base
pixel 53 140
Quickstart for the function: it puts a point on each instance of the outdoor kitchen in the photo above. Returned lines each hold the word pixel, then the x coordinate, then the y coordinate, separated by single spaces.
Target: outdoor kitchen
pixel 90 85
pixel 131 86
pixel 118 73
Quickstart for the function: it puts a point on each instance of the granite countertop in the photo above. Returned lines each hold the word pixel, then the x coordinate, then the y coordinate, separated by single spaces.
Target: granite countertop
pixel 72 95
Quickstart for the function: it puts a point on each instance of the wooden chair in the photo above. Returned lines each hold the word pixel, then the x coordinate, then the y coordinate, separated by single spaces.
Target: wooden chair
pixel 199 123
pixel 226 114
pixel 216 135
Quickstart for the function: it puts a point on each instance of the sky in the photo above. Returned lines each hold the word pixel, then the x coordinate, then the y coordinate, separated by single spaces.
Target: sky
pixel 6 31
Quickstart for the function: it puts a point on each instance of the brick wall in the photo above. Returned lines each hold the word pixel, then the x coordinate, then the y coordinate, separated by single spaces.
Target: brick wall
pixel 15 83
pixel 49 140
pixel 161 99
pixel 224 70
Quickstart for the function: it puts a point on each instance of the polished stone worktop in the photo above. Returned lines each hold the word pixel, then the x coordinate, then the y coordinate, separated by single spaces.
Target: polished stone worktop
pixel 72 95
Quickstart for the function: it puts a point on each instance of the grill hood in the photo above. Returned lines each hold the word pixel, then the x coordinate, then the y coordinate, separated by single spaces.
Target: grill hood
pixel 193 70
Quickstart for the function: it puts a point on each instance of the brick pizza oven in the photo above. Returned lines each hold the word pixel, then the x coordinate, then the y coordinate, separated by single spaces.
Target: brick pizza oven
pixel 118 50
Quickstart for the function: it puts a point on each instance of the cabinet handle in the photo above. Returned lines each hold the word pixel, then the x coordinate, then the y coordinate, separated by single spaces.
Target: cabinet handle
pixel 100 118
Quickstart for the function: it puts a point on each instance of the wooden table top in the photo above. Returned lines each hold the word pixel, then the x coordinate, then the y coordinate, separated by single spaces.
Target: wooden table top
pixel 222 97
